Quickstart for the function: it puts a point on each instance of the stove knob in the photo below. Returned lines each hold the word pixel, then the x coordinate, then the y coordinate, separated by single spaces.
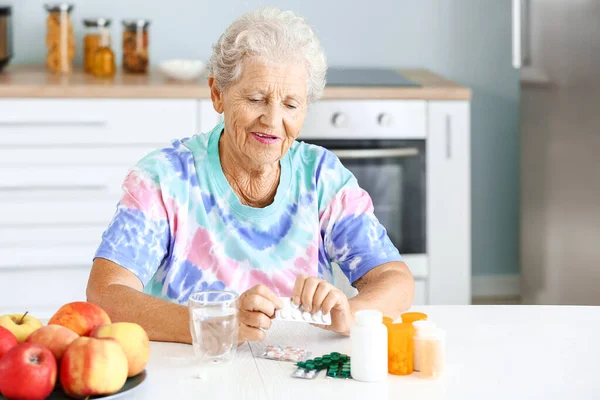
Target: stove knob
pixel 384 120
pixel 338 120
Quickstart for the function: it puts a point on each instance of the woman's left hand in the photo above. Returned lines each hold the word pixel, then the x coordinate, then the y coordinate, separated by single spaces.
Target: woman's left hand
pixel 315 294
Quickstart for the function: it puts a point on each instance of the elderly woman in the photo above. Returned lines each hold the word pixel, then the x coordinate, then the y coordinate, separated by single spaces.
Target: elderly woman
pixel 246 207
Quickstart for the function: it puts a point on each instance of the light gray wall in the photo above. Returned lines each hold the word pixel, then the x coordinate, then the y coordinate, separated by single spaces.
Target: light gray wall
pixel 465 40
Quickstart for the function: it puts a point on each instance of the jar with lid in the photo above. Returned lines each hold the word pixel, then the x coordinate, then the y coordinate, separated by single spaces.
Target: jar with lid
pixel 135 46
pixel 60 39
pixel 432 353
pixel 420 328
pixel 369 347
pixel 104 58
pixel 400 348
pixel 91 40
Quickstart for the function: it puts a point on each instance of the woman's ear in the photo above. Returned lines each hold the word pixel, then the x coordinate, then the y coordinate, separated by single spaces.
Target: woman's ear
pixel 215 95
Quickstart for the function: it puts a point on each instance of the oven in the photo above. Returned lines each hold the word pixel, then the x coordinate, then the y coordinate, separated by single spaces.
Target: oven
pixel 382 142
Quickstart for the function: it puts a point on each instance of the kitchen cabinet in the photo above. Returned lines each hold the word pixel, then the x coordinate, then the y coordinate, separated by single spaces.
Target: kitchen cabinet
pixel 449 203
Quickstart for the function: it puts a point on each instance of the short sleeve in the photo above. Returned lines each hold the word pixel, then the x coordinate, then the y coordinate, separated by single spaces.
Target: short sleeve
pixel 138 236
pixel 353 237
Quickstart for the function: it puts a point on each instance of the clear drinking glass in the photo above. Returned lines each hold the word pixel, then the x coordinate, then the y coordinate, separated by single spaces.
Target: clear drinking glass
pixel 214 325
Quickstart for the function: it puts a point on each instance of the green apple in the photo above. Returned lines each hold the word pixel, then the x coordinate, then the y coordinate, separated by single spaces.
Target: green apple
pixel 21 325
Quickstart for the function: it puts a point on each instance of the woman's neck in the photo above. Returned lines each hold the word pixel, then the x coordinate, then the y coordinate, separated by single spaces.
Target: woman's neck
pixel 255 186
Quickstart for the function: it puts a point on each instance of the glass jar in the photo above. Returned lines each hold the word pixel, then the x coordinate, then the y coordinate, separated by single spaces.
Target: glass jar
pixel 400 348
pixel 104 58
pixel 91 40
pixel 60 39
pixel 135 46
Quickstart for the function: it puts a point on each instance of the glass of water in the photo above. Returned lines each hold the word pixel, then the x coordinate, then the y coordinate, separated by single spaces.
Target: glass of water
pixel 214 325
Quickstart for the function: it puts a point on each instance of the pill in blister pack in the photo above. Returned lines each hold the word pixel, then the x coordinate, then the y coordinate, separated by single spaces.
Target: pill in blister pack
pixel 305 374
pixel 292 312
pixel 288 353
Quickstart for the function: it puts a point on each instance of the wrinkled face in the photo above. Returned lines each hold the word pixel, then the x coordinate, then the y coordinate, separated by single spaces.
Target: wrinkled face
pixel 264 110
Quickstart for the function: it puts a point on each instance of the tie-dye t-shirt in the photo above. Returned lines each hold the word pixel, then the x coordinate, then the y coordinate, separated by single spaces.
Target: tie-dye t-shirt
pixel 180 228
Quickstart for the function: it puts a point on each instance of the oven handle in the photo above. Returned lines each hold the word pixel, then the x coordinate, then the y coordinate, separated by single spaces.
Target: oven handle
pixel 356 154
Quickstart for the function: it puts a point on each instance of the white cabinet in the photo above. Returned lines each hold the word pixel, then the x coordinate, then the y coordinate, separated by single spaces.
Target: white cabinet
pixel 449 203
pixel 62 162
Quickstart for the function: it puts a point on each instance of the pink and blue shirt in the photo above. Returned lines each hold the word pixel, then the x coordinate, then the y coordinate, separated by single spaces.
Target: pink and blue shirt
pixel 180 228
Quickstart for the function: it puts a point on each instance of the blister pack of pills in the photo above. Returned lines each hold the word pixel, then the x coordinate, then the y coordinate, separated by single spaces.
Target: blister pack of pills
pixel 336 364
pixel 292 312
pixel 305 374
pixel 287 353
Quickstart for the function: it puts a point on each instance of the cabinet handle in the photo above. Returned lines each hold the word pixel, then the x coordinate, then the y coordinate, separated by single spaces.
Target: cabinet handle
pixel 516 34
pixel 448 137
pixel 52 123
pixel 357 154
pixel 526 33
pixel 39 188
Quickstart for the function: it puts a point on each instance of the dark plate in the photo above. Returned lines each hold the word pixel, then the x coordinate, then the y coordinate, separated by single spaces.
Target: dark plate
pixel 131 384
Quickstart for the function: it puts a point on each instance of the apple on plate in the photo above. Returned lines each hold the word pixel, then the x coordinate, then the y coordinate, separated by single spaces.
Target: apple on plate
pixel 21 325
pixel 55 338
pixel 27 371
pixel 7 340
pixel 92 367
pixel 134 340
pixel 80 316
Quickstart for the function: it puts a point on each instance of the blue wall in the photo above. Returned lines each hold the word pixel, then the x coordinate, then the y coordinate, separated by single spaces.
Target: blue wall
pixel 465 40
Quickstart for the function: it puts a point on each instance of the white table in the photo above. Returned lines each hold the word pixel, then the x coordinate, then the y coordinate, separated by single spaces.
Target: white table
pixel 493 352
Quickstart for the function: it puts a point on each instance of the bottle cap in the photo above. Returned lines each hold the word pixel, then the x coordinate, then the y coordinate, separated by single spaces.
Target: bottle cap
pixel 433 333
pixel 422 324
pixel 368 317
pixel 413 316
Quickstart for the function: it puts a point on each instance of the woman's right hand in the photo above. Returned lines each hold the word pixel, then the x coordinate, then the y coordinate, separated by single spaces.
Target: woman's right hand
pixel 257 309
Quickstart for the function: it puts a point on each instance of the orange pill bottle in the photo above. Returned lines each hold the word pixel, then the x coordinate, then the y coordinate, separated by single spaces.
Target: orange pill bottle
pixel 400 348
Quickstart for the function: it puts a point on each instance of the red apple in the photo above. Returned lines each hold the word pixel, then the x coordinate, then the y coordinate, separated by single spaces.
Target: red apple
pixel 81 317
pixel 93 367
pixel 28 372
pixel 55 338
pixel 7 340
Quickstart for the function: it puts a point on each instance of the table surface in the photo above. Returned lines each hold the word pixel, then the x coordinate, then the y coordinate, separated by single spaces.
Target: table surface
pixel 493 352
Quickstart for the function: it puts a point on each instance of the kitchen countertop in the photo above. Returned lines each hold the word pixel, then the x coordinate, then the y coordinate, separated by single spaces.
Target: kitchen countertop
pixel 493 352
pixel 18 81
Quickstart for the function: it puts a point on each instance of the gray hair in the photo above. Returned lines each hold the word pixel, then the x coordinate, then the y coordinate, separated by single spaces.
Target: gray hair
pixel 272 35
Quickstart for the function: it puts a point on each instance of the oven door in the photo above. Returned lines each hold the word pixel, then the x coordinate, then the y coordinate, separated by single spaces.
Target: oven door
pixel 393 173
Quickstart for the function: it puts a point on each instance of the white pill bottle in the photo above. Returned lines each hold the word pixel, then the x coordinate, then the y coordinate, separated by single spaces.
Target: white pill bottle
pixel 369 356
